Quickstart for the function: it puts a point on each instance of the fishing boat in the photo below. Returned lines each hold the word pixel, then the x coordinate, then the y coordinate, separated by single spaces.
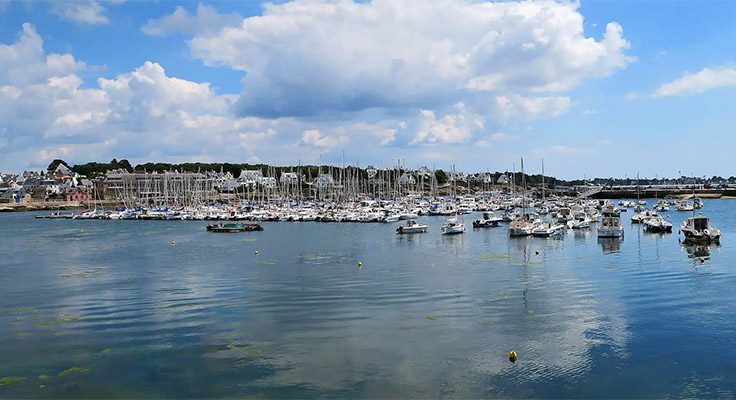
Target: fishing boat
pixel 411 226
pixel 233 227
pixel 452 226
pixel 697 229
pixel 490 219
pixel 611 225
pixel 657 224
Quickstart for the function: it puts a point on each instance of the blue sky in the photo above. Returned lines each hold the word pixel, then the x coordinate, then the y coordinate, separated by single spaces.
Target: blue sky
pixel 598 88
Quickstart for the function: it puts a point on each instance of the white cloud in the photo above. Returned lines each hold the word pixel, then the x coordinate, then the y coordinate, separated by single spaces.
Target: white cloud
pixel 589 112
pixel 451 128
pixel 632 96
pixel 699 82
pixel 530 108
pixel 314 137
pixel 207 21
pixel 310 57
pixel 605 142
pixel 81 12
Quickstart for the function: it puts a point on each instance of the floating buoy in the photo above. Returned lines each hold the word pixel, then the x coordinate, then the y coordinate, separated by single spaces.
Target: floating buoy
pixel 173 242
pixel 512 356
pixel 81 231
pixel 702 260
pixel 360 264
pixel 536 252
pixel 256 252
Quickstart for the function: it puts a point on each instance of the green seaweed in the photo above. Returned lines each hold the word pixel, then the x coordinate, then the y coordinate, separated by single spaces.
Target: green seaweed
pixel 249 240
pixel 502 294
pixel 22 310
pixel 256 352
pixel 11 379
pixel 431 318
pixel 107 350
pixel 234 347
pixel 72 370
pixel 272 262
pixel 21 334
pixel 490 321
pixel 43 377
pixel 61 320
pixel 85 275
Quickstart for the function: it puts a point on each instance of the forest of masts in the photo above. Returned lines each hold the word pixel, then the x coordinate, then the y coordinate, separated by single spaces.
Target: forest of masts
pixel 331 184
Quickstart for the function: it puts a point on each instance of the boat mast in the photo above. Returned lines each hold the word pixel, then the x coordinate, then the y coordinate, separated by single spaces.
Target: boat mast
pixel 543 197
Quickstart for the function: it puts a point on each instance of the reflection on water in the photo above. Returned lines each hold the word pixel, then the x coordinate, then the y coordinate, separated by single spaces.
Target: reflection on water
pixel 610 245
pixel 118 311
pixel 699 250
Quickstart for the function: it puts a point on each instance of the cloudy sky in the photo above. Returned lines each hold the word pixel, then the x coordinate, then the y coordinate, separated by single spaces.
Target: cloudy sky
pixel 599 88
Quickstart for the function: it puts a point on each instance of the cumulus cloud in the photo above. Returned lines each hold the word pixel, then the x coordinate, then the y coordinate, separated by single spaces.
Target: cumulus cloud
pixel 46 111
pixel 315 138
pixel 699 82
pixel 205 22
pixel 306 58
pixel 530 108
pixel 632 96
pixel 81 12
pixel 451 128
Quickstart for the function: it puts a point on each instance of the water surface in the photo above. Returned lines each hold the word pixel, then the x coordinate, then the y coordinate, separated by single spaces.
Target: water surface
pixel 96 309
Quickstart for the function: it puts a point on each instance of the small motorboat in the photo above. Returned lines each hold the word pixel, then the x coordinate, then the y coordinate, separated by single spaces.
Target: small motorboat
pixel 452 226
pixel 548 229
pixel 657 224
pixel 490 219
pixel 411 226
pixel 579 220
pixel 233 227
pixel 699 230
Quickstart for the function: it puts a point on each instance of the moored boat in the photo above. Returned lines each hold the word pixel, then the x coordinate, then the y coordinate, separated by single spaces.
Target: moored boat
pixel 697 229
pixel 233 227
pixel 411 226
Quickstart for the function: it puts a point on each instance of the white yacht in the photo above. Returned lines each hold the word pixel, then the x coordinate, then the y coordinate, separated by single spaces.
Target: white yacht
pixel 524 225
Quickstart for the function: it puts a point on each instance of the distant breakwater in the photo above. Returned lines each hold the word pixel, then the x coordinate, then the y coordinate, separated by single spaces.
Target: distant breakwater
pixel 666 193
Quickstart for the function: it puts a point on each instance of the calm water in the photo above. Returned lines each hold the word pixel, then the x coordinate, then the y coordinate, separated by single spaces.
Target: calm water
pixel 426 316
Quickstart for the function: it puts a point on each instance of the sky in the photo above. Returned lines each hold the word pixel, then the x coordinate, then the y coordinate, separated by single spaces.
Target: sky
pixel 593 88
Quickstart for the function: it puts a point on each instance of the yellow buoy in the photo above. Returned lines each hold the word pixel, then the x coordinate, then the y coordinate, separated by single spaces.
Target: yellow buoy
pixel 512 356
pixel 256 252
pixel 702 260
pixel 81 231
pixel 173 242
pixel 360 264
